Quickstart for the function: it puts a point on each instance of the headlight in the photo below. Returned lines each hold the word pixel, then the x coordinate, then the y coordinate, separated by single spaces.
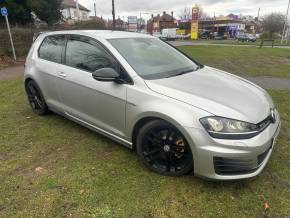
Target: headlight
pixel 224 128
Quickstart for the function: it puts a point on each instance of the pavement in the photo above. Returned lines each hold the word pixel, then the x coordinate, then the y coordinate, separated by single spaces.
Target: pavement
pixel 265 82
pixel 186 43
pixel 273 83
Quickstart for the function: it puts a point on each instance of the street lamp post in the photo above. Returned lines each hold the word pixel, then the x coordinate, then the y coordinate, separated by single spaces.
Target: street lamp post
pixel 95 9
pixel 285 23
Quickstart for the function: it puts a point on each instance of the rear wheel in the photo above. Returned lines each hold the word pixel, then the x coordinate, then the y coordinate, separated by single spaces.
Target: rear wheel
pixel 164 149
pixel 35 98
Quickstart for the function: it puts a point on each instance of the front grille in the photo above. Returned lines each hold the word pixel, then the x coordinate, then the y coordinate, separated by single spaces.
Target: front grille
pixel 238 166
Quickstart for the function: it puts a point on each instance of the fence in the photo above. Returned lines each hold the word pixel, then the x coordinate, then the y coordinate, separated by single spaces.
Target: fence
pixel 23 36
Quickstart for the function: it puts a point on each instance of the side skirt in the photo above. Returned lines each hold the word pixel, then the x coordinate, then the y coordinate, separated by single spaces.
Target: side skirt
pixel 95 129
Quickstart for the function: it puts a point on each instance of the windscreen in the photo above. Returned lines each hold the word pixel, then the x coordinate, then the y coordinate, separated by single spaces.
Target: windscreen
pixel 153 59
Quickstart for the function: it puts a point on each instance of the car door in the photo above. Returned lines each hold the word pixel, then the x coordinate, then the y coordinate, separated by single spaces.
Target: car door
pixel 101 104
pixel 47 66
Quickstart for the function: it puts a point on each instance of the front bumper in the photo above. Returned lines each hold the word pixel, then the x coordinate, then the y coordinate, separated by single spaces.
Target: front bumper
pixel 221 159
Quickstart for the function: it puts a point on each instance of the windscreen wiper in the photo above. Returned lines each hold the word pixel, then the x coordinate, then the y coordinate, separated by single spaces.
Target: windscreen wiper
pixel 181 73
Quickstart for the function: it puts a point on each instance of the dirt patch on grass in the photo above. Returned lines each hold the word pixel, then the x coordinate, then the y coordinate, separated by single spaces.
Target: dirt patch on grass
pixel 6 61
pixel 283 60
pixel 11 72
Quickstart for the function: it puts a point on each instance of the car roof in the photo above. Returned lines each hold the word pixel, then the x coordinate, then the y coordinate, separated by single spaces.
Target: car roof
pixel 104 34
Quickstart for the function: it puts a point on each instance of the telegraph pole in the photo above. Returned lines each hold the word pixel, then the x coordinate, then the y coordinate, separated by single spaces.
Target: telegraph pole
pixel 113 13
pixel 95 9
pixel 78 9
pixel 285 24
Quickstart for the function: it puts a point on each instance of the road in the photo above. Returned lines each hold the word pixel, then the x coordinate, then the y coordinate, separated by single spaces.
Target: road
pixel 186 43
pixel 270 82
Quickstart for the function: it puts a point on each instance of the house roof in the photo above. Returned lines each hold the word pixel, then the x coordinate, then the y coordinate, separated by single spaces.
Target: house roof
pixel 72 4
pixel 163 17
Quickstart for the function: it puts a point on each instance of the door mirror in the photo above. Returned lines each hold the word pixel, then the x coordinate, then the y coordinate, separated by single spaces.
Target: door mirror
pixel 106 74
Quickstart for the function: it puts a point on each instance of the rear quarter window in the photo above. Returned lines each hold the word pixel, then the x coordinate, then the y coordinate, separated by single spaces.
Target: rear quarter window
pixel 51 48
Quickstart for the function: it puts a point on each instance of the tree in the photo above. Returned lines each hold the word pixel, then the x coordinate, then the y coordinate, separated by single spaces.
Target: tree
pixel 19 11
pixel 273 23
pixel 185 13
pixel 47 11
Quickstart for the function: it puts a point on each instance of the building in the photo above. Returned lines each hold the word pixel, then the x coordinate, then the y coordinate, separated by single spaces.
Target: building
pixel 227 26
pixel 70 14
pixel 158 23
pixel 253 27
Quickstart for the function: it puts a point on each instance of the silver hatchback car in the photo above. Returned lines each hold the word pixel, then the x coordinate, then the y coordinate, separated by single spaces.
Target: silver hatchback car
pixel 179 115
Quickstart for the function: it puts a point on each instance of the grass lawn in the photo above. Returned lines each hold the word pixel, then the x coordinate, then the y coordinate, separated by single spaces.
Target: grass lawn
pixel 249 61
pixel 52 167
pixel 277 42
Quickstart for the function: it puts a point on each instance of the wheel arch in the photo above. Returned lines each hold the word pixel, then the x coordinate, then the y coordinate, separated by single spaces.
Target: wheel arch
pixel 148 118
pixel 138 125
pixel 27 79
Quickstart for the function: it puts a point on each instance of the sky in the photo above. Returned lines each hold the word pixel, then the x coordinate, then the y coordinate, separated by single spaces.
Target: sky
pixel 126 8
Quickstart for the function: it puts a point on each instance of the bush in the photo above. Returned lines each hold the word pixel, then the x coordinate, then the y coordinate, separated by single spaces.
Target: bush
pixel 91 25
pixel 22 38
pixel 267 35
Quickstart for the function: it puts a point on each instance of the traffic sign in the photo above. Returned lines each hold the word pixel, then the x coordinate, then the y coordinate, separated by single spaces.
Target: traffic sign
pixel 4 11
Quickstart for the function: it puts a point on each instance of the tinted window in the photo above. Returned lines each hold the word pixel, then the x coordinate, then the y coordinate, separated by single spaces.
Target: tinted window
pixel 51 48
pixel 88 56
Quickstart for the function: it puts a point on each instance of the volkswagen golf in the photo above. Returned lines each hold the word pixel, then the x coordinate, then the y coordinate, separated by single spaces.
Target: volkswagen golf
pixel 177 114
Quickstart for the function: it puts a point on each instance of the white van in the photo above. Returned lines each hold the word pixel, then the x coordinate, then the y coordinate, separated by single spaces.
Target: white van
pixel 169 34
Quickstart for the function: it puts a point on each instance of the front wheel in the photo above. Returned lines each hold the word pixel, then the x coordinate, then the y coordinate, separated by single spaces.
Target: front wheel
pixel 164 149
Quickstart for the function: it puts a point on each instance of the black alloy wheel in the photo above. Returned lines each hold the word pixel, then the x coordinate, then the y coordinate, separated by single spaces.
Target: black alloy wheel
pixel 164 149
pixel 35 98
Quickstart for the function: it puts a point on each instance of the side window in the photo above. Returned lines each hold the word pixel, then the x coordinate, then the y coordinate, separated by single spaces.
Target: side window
pixel 87 56
pixel 51 48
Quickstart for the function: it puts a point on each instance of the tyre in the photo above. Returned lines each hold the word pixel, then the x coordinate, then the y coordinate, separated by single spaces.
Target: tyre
pixel 163 149
pixel 35 98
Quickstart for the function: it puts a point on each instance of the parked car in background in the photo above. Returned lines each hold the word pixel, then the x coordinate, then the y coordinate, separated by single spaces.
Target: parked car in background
pixel 177 114
pixel 246 37
pixel 219 36
pixel 205 34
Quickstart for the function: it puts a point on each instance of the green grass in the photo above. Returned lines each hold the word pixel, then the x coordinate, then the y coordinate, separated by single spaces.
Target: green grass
pixel 249 61
pixel 87 175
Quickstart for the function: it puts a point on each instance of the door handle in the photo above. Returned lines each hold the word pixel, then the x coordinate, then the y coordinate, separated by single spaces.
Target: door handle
pixel 62 74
